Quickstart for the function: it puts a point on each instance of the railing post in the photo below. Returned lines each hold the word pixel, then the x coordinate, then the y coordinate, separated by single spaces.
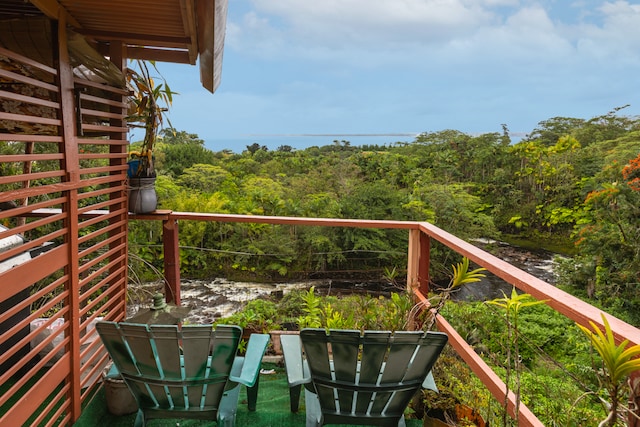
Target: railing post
pixel 425 263
pixel 418 262
pixel 171 260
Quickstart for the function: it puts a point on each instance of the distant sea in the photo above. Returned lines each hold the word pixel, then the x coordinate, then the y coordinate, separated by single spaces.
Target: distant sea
pixel 300 142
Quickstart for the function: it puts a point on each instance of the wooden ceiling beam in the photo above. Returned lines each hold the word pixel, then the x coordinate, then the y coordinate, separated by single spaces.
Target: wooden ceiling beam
pixel 139 39
pixel 162 55
pixel 206 15
pixel 188 10
pixel 53 10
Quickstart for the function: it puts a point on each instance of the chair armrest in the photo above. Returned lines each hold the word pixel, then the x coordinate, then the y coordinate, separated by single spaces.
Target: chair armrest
pixel 246 369
pixel 297 370
pixel 429 383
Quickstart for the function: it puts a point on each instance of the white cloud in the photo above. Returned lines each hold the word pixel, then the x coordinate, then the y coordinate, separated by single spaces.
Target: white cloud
pixel 374 22
pixel 357 65
pixel 619 36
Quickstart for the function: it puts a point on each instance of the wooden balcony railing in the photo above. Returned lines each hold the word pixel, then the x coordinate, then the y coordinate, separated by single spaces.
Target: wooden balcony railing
pixel 421 235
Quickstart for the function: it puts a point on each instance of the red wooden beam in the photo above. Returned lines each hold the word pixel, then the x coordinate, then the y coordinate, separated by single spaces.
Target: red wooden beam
pixel 170 237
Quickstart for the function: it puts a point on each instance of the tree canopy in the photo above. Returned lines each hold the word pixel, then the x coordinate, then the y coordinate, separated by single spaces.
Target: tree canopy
pixel 571 184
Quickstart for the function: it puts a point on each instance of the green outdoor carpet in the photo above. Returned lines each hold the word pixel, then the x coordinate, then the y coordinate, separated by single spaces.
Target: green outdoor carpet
pixel 273 409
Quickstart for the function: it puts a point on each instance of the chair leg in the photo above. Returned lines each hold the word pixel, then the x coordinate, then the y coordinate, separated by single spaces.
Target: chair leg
pixel 312 409
pixel 252 395
pixel 140 421
pixel 228 407
pixel 294 397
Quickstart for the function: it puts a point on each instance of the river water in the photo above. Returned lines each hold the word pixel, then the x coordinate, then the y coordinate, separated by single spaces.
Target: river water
pixel 210 300
pixel 538 263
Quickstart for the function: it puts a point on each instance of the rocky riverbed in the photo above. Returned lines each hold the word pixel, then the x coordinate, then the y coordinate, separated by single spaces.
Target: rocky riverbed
pixel 210 300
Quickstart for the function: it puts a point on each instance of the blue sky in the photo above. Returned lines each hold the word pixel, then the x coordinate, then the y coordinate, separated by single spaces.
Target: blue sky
pixel 400 67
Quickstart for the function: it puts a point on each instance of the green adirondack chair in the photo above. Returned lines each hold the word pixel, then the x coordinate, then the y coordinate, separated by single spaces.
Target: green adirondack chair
pixel 354 378
pixel 188 372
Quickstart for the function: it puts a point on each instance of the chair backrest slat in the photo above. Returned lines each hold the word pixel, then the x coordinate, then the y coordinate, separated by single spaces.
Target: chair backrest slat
pixel 375 348
pixel 165 339
pixel 401 351
pixel 139 342
pixel 225 344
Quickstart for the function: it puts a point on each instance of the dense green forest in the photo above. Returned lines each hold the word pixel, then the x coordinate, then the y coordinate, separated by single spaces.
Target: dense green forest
pixel 570 186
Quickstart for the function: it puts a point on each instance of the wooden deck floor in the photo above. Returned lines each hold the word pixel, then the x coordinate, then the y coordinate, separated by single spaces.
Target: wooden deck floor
pixel 273 409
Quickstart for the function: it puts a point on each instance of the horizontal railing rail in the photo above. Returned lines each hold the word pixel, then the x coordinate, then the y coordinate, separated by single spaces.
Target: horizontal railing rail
pixel 420 236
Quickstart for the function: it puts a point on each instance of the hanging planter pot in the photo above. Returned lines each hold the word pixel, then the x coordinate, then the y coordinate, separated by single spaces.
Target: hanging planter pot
pixel 142 195
pixel 148 103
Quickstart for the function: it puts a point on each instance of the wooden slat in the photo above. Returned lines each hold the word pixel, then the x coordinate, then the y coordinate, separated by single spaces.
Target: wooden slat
pixel 97 142
pixel 29 99
pixel 116 175
pixel 30 226
pixel 104 129
pixel 6 158
pixel 98 113
pixel 30 138
pixel 97 192
pixel 24 275
pixel 9 75
pixel 55 11
pixel 103 156
pixel 78 82
pixel 11 179
pixel 95 220
pixel 23 210
pixel 104 101
pixel 30 119
pixel 34 351
pixel 28 61
pixel 115 202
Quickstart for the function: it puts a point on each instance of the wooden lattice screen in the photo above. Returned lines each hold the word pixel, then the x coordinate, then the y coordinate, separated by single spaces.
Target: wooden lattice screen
pixel 63 241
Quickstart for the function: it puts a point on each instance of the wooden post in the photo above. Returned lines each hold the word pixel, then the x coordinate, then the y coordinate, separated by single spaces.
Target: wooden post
pixel 71 165
pixel 425 263
pixel 418 262
pixel 117 57
pixel 171 260
pixel 413 260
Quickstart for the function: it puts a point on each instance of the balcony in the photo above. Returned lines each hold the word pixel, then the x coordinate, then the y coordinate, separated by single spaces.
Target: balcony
pixel 420 238
pixel 64 177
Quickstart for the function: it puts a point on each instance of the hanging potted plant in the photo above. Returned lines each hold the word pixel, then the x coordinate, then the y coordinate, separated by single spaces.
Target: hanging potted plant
pixel 148 104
